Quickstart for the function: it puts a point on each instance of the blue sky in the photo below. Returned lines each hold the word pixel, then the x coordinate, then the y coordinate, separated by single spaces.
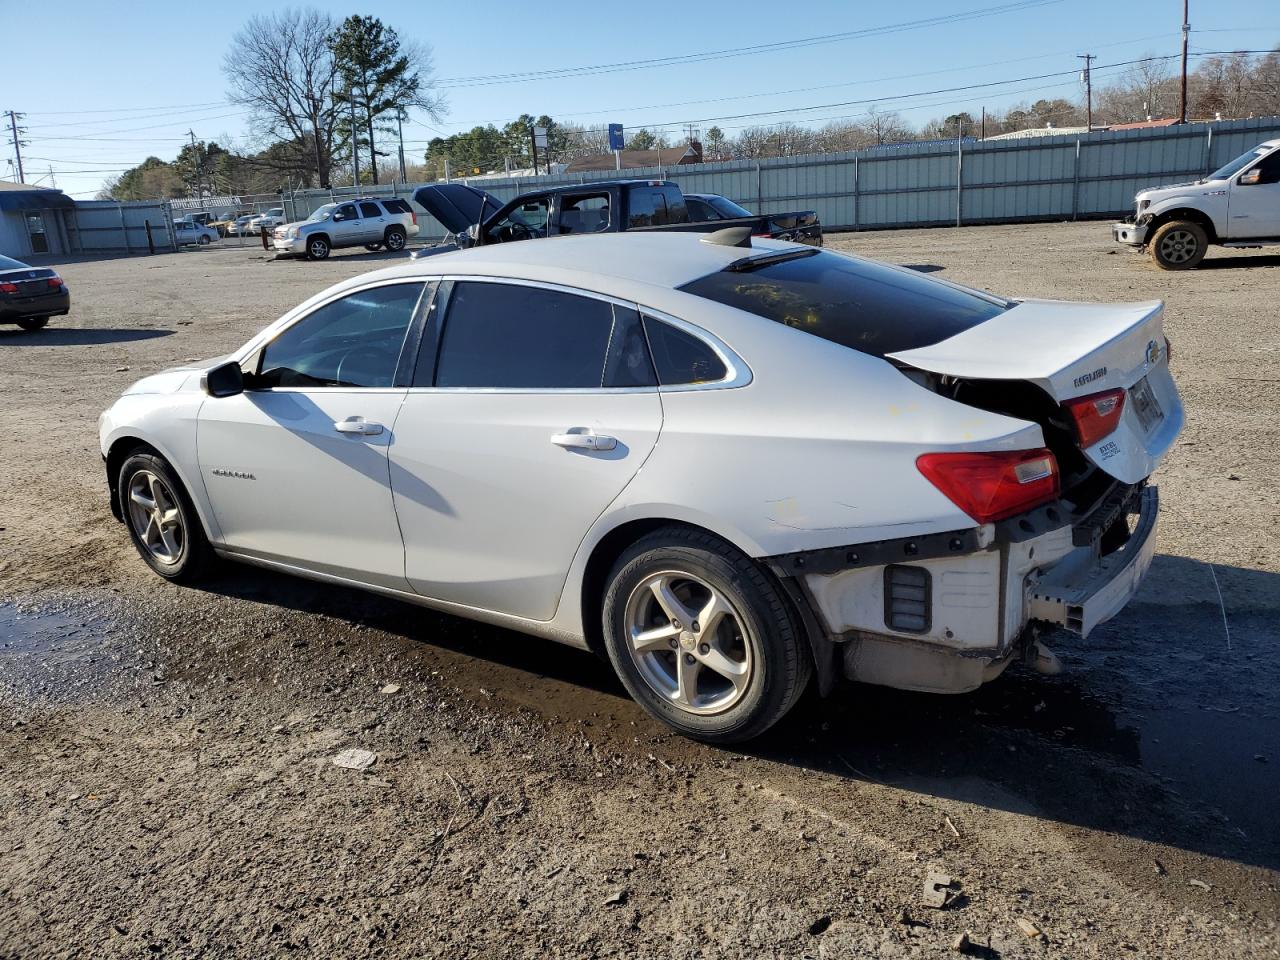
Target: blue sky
pixel 102 88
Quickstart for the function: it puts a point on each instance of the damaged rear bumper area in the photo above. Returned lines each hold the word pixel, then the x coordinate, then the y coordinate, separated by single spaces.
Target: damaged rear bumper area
pixel 947 612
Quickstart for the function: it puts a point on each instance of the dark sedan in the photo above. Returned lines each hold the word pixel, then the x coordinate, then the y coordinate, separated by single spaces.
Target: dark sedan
pixel 29 296
pixel 801 227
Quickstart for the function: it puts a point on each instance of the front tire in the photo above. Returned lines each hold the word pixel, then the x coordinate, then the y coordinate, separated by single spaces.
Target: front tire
pixel 31 324
pixel 1179 245
pixel 204 241
pixel 703 638
pixel 395 239
pixel 317 248
pixel 161 519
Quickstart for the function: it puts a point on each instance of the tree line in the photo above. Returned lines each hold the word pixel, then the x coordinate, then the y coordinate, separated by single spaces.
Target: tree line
pixel 327 98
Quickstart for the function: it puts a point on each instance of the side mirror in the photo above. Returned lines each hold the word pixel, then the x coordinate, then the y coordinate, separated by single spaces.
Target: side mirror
pixel 1250 178
pixel 225 380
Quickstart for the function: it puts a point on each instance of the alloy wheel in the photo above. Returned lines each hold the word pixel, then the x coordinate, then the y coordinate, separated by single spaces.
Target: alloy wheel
pixel 1178 246
pixel 155 517
pixel 688 642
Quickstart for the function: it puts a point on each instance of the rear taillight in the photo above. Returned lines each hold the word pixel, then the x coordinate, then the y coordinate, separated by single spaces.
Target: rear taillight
pixel 415 217
pixel 56 282
pixel 8 288
pixel 993 486
pixel 1096 415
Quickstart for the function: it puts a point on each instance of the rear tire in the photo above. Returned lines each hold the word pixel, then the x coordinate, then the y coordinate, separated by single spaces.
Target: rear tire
pixel 721 681
pixel 317 248
pixel 204 241
pixel 162 522
pixel 395 239
pixel 1178 245
pixel 31 324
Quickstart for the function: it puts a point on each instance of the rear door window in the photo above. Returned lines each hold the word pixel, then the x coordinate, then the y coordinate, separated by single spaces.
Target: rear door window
pixel 370 210
pixel 511 336
pixel 861 304
pixel 584 214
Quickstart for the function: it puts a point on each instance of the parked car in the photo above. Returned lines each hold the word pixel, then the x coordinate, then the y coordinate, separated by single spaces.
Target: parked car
pixel 1237 205
pixel 29 295
pixel 606 207
pixel 369 222
pixel 240 225
pixel 801 227
pixel 189 233
pixel 848 467
pixel 266 222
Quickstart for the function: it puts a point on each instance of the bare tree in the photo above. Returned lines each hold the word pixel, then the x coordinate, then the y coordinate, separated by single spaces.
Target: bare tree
pixel 1225 85
pixel 886 127
pixel 1148 89
pixel 281 67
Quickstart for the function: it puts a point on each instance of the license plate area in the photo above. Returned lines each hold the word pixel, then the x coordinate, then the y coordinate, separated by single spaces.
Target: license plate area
pixel 1145 405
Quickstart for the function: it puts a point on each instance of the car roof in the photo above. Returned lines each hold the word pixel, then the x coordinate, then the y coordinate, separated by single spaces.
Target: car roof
pixel 613 263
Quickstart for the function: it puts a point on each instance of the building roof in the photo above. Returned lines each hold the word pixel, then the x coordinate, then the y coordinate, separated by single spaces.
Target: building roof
pixel 1039 132
pixel 636 159
pixel 25 196
pixel 1144 124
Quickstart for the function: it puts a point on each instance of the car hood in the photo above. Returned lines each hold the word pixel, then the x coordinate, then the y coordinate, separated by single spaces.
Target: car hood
pixel 173 379
pixel 456 205
pixel 1198 188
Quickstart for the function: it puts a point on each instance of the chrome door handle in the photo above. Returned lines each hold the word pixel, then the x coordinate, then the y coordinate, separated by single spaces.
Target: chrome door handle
pixel 358 426
pixel 583 438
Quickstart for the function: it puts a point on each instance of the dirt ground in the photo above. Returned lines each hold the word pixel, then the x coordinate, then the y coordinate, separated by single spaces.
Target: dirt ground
pixel 166 784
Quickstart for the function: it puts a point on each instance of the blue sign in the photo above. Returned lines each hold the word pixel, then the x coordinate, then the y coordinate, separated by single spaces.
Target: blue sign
pixel 615 136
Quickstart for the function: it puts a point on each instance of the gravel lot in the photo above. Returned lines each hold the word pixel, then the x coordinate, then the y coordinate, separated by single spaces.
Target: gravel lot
pixel 166 785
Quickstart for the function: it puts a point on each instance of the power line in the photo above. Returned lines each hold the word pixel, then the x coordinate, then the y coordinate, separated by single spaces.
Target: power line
pixel 776 46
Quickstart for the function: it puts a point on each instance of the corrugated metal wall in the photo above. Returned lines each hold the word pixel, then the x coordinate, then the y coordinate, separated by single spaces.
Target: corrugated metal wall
pixel 104 226
pixel 928 184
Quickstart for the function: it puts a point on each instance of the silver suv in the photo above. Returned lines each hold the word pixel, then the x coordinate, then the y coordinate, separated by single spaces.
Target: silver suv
pixel 369 222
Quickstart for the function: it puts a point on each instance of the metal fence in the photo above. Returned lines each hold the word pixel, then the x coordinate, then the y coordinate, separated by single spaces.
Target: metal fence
pixel 925 184
pixel 105 226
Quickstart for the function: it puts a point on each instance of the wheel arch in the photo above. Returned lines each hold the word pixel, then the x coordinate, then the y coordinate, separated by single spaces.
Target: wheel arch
pixel 126 445
pixel 606 551
pixel 1190 214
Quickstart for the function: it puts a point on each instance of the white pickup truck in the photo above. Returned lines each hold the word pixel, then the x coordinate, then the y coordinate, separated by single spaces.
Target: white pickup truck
pixel 1235 206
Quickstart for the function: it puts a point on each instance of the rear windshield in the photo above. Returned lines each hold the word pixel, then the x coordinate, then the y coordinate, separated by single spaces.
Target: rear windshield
pixel 853 302
pixel 9 264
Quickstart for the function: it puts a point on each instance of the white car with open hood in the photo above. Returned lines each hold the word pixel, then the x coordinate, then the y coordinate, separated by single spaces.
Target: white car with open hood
pixel 731 465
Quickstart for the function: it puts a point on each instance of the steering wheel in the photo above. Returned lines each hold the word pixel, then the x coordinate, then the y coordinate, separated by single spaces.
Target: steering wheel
pixel 518 231
pixel 363 362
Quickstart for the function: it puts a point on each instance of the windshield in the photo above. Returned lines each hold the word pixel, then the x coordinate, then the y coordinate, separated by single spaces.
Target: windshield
pixel 322 213
pixel 727 208
pixel 1238 164
pixel 861 304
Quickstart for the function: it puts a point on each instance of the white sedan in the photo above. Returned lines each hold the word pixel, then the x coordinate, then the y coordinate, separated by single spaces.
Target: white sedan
pixel 732 465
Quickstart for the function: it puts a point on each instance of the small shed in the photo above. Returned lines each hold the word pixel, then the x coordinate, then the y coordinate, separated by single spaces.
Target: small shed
pixel 31 220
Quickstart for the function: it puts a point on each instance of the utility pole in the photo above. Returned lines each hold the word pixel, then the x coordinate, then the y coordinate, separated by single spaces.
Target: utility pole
pixel 400 131
pixel 1088 59
pixel 199 162
pixel 533 141
pixel 17 141
pixel 1186 33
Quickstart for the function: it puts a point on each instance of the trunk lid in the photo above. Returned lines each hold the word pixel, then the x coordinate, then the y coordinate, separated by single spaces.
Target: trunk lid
pixel 1073 350
pixel 456 205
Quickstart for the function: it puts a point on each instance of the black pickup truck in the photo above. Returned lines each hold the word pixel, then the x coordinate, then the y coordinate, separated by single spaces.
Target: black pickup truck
pixel 606 207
